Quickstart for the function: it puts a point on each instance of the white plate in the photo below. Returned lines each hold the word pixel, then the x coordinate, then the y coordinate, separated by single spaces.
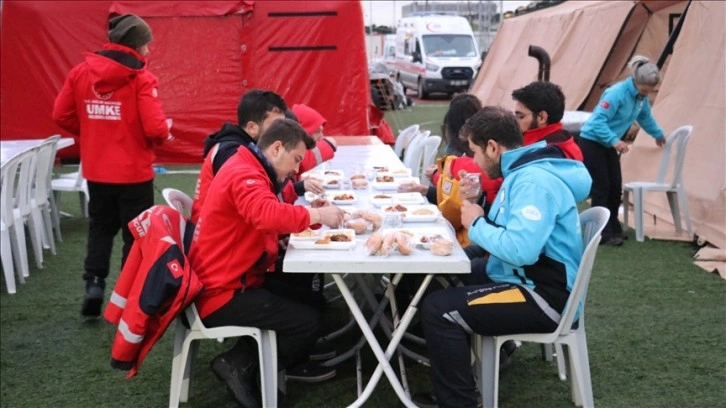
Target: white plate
pixel 420 233
pixel 398 172
pixel 409 198
pixel 388 186
pixel 385 199
pixel 307 235
pixel 331 181
pixel 432 213
pixel 331 197
pixel 320 174
pixel 310 244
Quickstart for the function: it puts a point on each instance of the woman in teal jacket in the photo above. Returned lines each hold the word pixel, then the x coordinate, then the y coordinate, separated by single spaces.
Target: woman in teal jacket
pixel 620 105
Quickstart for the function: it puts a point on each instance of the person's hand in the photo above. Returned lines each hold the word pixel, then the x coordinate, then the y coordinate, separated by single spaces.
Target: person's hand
pixel 331 216
pixel 468 190
pixel 313 185
pixel 319 202
pixel 621 147
pixel 412 188
pixel 660 142
pixel 429 172
pixel 332 141
pixel 470 212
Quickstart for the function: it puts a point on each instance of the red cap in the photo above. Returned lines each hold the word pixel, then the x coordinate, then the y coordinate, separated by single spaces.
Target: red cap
pixel 309 118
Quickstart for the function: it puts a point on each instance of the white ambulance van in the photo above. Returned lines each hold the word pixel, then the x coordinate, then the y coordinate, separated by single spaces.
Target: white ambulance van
pixel 436 53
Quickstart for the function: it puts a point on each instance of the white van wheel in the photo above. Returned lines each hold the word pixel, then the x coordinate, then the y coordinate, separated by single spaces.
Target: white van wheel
pixel 421 93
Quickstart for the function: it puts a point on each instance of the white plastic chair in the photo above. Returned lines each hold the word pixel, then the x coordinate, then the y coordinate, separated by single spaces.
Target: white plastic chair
pixel 23 212
pixel 404 138
pixel 413 156
pixel 178 200
pixel 40 202
pixel 430 150
pixel 71 183
pixel 186 348
pixel 674 188
pixel 593 221
pixel 13 255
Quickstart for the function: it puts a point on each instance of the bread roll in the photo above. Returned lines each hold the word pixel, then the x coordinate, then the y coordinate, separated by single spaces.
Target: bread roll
pixel 404 246
pixel 373 218
pixel 359 225
pixel 359 183
pixel 442 247
pixel 373 244
pixel 387 245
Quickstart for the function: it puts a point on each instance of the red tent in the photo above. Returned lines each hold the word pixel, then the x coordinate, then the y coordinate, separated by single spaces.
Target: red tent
pixel 206 55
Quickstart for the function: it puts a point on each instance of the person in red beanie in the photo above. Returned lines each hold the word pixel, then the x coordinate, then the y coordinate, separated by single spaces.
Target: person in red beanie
pixel 313 123
pixel 110 103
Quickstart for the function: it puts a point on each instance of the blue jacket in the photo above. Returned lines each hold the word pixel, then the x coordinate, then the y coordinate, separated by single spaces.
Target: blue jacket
pixel 533 228
pixel 618 108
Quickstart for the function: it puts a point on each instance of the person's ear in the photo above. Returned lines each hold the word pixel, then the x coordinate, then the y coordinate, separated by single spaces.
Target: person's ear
pixel 253 129
pixel 542 117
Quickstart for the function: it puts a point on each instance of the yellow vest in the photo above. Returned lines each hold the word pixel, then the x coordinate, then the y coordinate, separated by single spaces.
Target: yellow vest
pixel 447 198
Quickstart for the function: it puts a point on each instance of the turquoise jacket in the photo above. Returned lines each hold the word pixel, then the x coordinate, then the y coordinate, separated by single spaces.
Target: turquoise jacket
pixel 533 228
pixel 618 108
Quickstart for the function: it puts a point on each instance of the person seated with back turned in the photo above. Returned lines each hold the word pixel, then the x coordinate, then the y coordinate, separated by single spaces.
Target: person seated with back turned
pixel 256 111
pixel 236 242
pixel 532 233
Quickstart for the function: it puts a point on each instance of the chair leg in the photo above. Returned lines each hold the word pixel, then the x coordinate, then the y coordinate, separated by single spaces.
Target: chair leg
pixel 490 372
pixel 178 366
pixel 561 363
pixel 675 209
pixel 638 204
pixel 20 251
pixel 267 346
pixel 546 351
pixel 84 204
pixel 686 214
pixel 6 253
pixel 35 231
pixel 55 216
pixel 48 228
pixel 580 366
pixel 626 207
pixel 189 371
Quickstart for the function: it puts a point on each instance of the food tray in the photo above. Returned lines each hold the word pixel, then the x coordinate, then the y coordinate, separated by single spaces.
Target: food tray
pixel 331 196
pixel 393 184
pixel 321 243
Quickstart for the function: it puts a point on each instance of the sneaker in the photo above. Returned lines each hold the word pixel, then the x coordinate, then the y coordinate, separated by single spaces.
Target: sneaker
pixel 612 241
pixel 322 350
pixel 505 354
pixel 93 300
pixel 241 383
pixel 425 400
pixel 309 372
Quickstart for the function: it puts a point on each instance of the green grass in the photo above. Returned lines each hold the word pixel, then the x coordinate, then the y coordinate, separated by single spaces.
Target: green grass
pixel 656 326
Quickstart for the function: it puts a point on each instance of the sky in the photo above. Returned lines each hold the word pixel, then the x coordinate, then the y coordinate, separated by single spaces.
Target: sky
pixel 383 12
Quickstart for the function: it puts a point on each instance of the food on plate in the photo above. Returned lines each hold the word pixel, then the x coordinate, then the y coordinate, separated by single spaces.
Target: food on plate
pixel 306 234
pixel 374 218
pixel 382 196
pixel 340 238
pixel 442 247
pixel 333 182
pixel 387 245
pixel 359 225
pixel 430 239
pixel 373 244
pixel 406 232
pixel 422 211
pixel 359 183
pixel 396 208
pixel 324 241
pixel 380 168
pixel 384 179
pixel 337 173
pixel 401 171
pixel 343 197
pixel 358 176
pixel 403 244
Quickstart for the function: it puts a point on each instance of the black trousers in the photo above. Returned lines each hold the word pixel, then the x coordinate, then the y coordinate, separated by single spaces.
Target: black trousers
pixel 450 316
pixel 111 207
pixel 603 164
pixel 297 324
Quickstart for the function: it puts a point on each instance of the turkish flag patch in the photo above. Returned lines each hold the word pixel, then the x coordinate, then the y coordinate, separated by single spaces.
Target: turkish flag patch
pixel 175 268
pixel 605 105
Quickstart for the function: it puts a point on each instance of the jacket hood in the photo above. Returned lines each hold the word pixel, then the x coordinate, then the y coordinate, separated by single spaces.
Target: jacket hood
pixel 309 118
pixel 114 66
pixel 551 159
pixel 228 132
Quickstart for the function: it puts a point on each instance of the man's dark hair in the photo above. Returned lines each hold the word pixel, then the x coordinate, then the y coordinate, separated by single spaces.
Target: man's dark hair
pixel 542 96
pixel 287 131
pixel 461 108
pixel 255 105
pixel 493 123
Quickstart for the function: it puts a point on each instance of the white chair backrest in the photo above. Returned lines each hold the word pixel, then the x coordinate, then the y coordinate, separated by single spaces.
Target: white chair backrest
pixel 413 155
pixel 7 192
pixel 79 177
pixel 44 169
pixel 178 200
pixel 679 139
pixel 404 138
pixel 431 149
pixel 592 221
pixel 23 190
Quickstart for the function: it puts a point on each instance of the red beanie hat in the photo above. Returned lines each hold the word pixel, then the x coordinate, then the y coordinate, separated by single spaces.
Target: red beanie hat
pixel 309 118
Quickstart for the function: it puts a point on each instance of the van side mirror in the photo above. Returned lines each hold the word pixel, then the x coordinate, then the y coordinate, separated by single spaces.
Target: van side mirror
pixel 416 56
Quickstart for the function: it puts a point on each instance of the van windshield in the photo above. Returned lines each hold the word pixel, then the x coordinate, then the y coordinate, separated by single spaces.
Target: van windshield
pixel 449 45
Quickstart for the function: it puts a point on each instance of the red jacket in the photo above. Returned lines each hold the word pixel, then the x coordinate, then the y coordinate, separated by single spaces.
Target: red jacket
pixel 155 285
pixel 322 152
pixel 110 102
pixel 235 241
pixel 555 134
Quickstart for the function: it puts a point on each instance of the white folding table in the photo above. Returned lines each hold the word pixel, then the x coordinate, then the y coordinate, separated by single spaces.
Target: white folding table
pixel 357 261
pixel 11 148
